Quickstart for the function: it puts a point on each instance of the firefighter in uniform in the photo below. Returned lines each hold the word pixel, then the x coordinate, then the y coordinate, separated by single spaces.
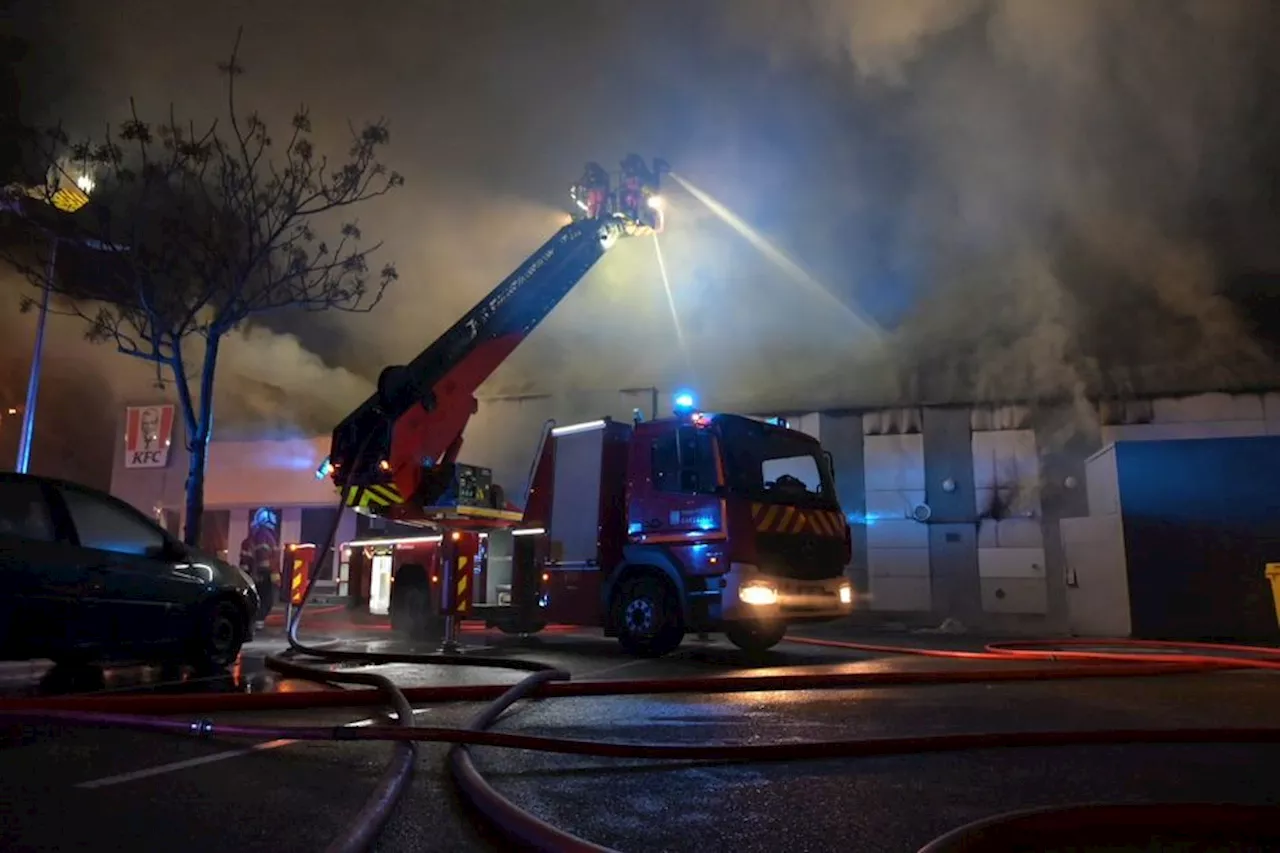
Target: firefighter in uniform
pixel 260 557
pixel 639 184
pixel 635 175
pixel 595 188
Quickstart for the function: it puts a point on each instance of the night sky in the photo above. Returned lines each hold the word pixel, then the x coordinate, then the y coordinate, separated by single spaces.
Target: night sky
pixel 1028 196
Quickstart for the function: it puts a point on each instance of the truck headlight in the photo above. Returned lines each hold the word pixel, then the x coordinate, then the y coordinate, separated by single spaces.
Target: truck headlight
pixel 846 594
pixel 758 594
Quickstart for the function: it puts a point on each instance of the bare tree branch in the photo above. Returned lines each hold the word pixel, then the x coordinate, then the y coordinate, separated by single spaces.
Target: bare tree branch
pixel 189 231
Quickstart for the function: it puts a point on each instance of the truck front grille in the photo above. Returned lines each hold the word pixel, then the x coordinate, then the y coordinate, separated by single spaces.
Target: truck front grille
pixel 800 556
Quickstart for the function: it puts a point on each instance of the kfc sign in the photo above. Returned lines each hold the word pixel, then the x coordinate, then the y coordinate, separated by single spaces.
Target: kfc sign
pixel 148 432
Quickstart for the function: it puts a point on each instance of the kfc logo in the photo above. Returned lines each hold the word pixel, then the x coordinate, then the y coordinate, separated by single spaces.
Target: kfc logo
pixel 149 431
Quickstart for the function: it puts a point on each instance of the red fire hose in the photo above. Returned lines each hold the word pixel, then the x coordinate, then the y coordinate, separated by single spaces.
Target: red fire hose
pixel 1223 655
pixel 530 832
pixel 308 699
pixel 476 735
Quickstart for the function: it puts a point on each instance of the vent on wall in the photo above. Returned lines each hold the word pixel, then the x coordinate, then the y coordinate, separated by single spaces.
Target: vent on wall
pixel 1124 412
pixel 984 418
pixel 893 422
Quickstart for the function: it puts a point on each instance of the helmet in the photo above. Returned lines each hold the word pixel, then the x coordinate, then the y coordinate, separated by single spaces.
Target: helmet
pixel 264 517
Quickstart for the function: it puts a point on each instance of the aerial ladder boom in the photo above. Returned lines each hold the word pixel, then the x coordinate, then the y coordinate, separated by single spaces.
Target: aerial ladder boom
pixel 400 446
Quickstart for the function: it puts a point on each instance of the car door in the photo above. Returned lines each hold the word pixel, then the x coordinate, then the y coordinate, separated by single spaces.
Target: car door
pixel 43 585
pixel 144 588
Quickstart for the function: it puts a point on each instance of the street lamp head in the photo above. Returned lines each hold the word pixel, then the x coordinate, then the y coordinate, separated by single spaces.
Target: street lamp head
pixel 85 183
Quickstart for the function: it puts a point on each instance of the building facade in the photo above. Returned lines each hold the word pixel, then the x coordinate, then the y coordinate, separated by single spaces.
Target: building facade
pixel 957 510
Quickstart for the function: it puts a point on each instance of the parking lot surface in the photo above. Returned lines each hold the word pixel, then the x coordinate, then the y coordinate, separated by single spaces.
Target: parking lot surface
pixel 90 789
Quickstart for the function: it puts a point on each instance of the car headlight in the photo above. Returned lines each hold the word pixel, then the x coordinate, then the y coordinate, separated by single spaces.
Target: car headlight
pixel 758 594
pixel 846 594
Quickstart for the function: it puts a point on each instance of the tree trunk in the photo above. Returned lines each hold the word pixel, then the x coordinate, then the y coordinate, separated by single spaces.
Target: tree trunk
pixel 197 451
pixel 198 445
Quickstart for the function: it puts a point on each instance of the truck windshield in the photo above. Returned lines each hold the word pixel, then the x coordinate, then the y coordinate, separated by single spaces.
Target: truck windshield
pixel 775 465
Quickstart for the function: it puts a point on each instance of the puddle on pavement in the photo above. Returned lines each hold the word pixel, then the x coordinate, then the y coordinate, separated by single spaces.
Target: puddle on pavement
pixel 42 678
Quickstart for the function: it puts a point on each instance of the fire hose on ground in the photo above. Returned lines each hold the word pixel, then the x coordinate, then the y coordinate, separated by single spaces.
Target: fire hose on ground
pixel 1066 659
pixel 531 832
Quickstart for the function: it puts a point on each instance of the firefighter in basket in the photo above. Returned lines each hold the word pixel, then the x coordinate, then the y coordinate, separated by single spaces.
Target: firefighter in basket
pixel 638 199
pixel 592 191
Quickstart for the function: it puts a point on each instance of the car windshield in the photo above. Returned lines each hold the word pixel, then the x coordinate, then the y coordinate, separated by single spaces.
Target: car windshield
pixel 775 465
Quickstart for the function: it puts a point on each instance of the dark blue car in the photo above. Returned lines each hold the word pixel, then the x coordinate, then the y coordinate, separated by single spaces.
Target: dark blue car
pixel 86 578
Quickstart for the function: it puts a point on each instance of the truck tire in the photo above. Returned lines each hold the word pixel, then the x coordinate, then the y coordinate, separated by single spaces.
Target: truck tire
pixel 755 638
pixel 647 613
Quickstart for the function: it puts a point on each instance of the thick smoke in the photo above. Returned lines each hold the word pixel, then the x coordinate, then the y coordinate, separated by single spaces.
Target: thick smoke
pixel 1041 197
pixel 268 384
pixel 1075 167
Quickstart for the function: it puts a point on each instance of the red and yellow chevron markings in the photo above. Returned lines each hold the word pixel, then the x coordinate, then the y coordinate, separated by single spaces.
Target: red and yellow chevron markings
pixel 462 599
pixel 772 518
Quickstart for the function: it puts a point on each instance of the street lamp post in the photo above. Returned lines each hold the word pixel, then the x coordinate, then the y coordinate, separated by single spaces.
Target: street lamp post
pixel 33 381
pixel 68 199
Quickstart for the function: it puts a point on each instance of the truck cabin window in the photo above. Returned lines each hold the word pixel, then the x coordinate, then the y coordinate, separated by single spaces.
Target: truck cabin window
pixel 774 466
pixel 684 462
pixel 791 473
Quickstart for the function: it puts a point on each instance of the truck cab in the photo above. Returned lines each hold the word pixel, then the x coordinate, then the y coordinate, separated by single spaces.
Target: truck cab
pixel 700 522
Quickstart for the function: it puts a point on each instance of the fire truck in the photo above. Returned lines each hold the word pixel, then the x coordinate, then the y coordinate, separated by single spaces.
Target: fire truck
pixel 650 529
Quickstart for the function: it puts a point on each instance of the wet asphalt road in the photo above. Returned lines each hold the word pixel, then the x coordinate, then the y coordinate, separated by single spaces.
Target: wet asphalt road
pixel 103 790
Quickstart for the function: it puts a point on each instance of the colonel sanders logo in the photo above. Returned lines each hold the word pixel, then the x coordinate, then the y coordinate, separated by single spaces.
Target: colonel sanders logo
pixel 150 426
pixel 148 436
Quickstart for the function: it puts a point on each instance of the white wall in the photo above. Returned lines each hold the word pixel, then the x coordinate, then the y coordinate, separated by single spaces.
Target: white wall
pixel 267 473
pixel 1011 557
pixel 1202 416
pixel 1096 574
pixel 897 545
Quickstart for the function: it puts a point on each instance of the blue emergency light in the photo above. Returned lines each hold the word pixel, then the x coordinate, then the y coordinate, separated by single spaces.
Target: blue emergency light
pixel 684 402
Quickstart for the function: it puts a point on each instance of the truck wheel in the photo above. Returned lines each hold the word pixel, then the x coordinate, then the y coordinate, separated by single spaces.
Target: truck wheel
pixel 648 616
pixel 754 638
